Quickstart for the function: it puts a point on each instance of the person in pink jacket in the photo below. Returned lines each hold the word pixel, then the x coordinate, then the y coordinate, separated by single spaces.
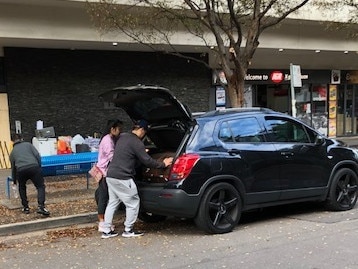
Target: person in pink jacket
pixel 105 155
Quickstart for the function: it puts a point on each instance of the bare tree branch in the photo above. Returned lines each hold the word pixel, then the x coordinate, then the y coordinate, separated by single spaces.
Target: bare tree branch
pixel 229 28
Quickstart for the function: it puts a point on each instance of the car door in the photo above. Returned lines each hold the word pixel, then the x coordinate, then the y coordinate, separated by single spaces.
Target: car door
pixel 156 105
pixel 250 158
pixel 302 163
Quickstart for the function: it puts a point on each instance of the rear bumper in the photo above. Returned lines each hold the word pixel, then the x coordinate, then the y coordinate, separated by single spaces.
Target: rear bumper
pixel 168 202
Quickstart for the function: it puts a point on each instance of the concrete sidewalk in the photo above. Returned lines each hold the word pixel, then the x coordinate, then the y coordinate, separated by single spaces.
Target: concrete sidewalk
pixel 59 196
pixel 351 141
pixel 47 223
pixel 54 222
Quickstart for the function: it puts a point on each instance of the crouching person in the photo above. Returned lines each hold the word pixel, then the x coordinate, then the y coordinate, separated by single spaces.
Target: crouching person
pixel 26 164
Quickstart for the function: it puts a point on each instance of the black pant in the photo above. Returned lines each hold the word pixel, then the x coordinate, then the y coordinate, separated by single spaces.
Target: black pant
pixel 34 173
pixel 102 196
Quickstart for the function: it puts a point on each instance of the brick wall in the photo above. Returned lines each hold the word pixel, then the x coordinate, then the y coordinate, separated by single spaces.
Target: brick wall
pixel 60 87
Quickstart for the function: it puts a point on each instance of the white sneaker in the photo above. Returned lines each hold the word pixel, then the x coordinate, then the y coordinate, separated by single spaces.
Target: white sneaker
pixel 109 235
pixel 131 233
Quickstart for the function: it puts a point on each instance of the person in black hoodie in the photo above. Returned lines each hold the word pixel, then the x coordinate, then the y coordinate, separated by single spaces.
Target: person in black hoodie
pixel 26 164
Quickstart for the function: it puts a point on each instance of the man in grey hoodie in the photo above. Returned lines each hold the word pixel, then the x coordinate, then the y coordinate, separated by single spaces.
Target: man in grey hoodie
pixel 26 164
pixel 129 150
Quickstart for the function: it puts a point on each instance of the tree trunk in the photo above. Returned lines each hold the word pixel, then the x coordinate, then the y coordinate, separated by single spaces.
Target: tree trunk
pixel 236 89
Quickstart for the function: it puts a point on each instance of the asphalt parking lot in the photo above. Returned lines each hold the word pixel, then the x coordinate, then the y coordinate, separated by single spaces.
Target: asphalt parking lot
pixel 297 236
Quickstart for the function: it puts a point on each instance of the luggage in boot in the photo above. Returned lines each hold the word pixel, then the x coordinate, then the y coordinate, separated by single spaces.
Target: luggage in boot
pixel 157 175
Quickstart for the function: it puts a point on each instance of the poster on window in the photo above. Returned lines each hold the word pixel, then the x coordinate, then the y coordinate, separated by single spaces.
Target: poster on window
pixel 332 128
pixel 219 77
pixel 336 76
pixel 220 96
pixel 332 109
pixel 332 92
pixel 352 77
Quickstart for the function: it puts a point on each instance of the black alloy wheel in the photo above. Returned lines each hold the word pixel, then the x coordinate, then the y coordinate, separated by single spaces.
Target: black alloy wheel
pixel 343 191
pixel 220 209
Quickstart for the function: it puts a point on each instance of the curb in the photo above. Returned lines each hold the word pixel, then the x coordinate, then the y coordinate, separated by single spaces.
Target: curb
pixel 48 223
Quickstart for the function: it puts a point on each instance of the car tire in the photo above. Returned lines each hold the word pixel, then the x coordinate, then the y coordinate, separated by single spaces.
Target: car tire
pixel 220 209
pixel 151 218
pixel 343 191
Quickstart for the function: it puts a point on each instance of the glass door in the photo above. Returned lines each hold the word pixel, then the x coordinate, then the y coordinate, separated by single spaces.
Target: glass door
pixel 304 104
pixel 312 106
pixel 354 90
pixel 320 108
pixel 347 112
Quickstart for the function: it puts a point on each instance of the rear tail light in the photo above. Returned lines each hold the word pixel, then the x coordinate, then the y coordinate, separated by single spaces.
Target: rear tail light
pixel 182 166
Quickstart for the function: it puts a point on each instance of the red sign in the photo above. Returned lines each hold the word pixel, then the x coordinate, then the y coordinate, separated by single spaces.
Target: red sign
pixel 276 76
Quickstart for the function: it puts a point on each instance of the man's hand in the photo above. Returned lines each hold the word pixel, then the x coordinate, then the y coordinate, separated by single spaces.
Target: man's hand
pixel 168 161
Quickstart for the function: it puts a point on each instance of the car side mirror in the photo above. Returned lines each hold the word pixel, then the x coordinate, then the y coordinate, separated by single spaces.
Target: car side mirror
pixel 319 140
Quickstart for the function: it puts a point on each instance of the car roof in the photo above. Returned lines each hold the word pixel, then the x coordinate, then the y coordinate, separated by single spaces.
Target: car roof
pixel 241 111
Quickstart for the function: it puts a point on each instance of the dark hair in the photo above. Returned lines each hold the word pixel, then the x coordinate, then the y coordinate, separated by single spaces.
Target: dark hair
pixel 113 123
pixel 16 137
pixel 141 124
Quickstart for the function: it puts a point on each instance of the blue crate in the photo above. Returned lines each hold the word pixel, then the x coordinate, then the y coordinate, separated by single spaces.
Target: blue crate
pixel 64 164
pixel 68 163
pixel 66 169
pixel 64 159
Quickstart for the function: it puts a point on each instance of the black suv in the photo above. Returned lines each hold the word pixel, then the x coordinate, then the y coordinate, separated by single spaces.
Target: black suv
pixel 233 160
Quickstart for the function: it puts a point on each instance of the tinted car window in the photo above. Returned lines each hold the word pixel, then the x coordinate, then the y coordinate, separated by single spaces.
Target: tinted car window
pixel 225 134
pixel 241 130
pixel 284 130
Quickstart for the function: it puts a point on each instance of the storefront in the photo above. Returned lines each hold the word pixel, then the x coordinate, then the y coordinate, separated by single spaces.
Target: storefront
pixel 327 100
pixel 347 104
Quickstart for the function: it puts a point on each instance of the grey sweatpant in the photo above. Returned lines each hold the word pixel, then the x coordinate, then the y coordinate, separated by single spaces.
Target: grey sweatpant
pixel 125 191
